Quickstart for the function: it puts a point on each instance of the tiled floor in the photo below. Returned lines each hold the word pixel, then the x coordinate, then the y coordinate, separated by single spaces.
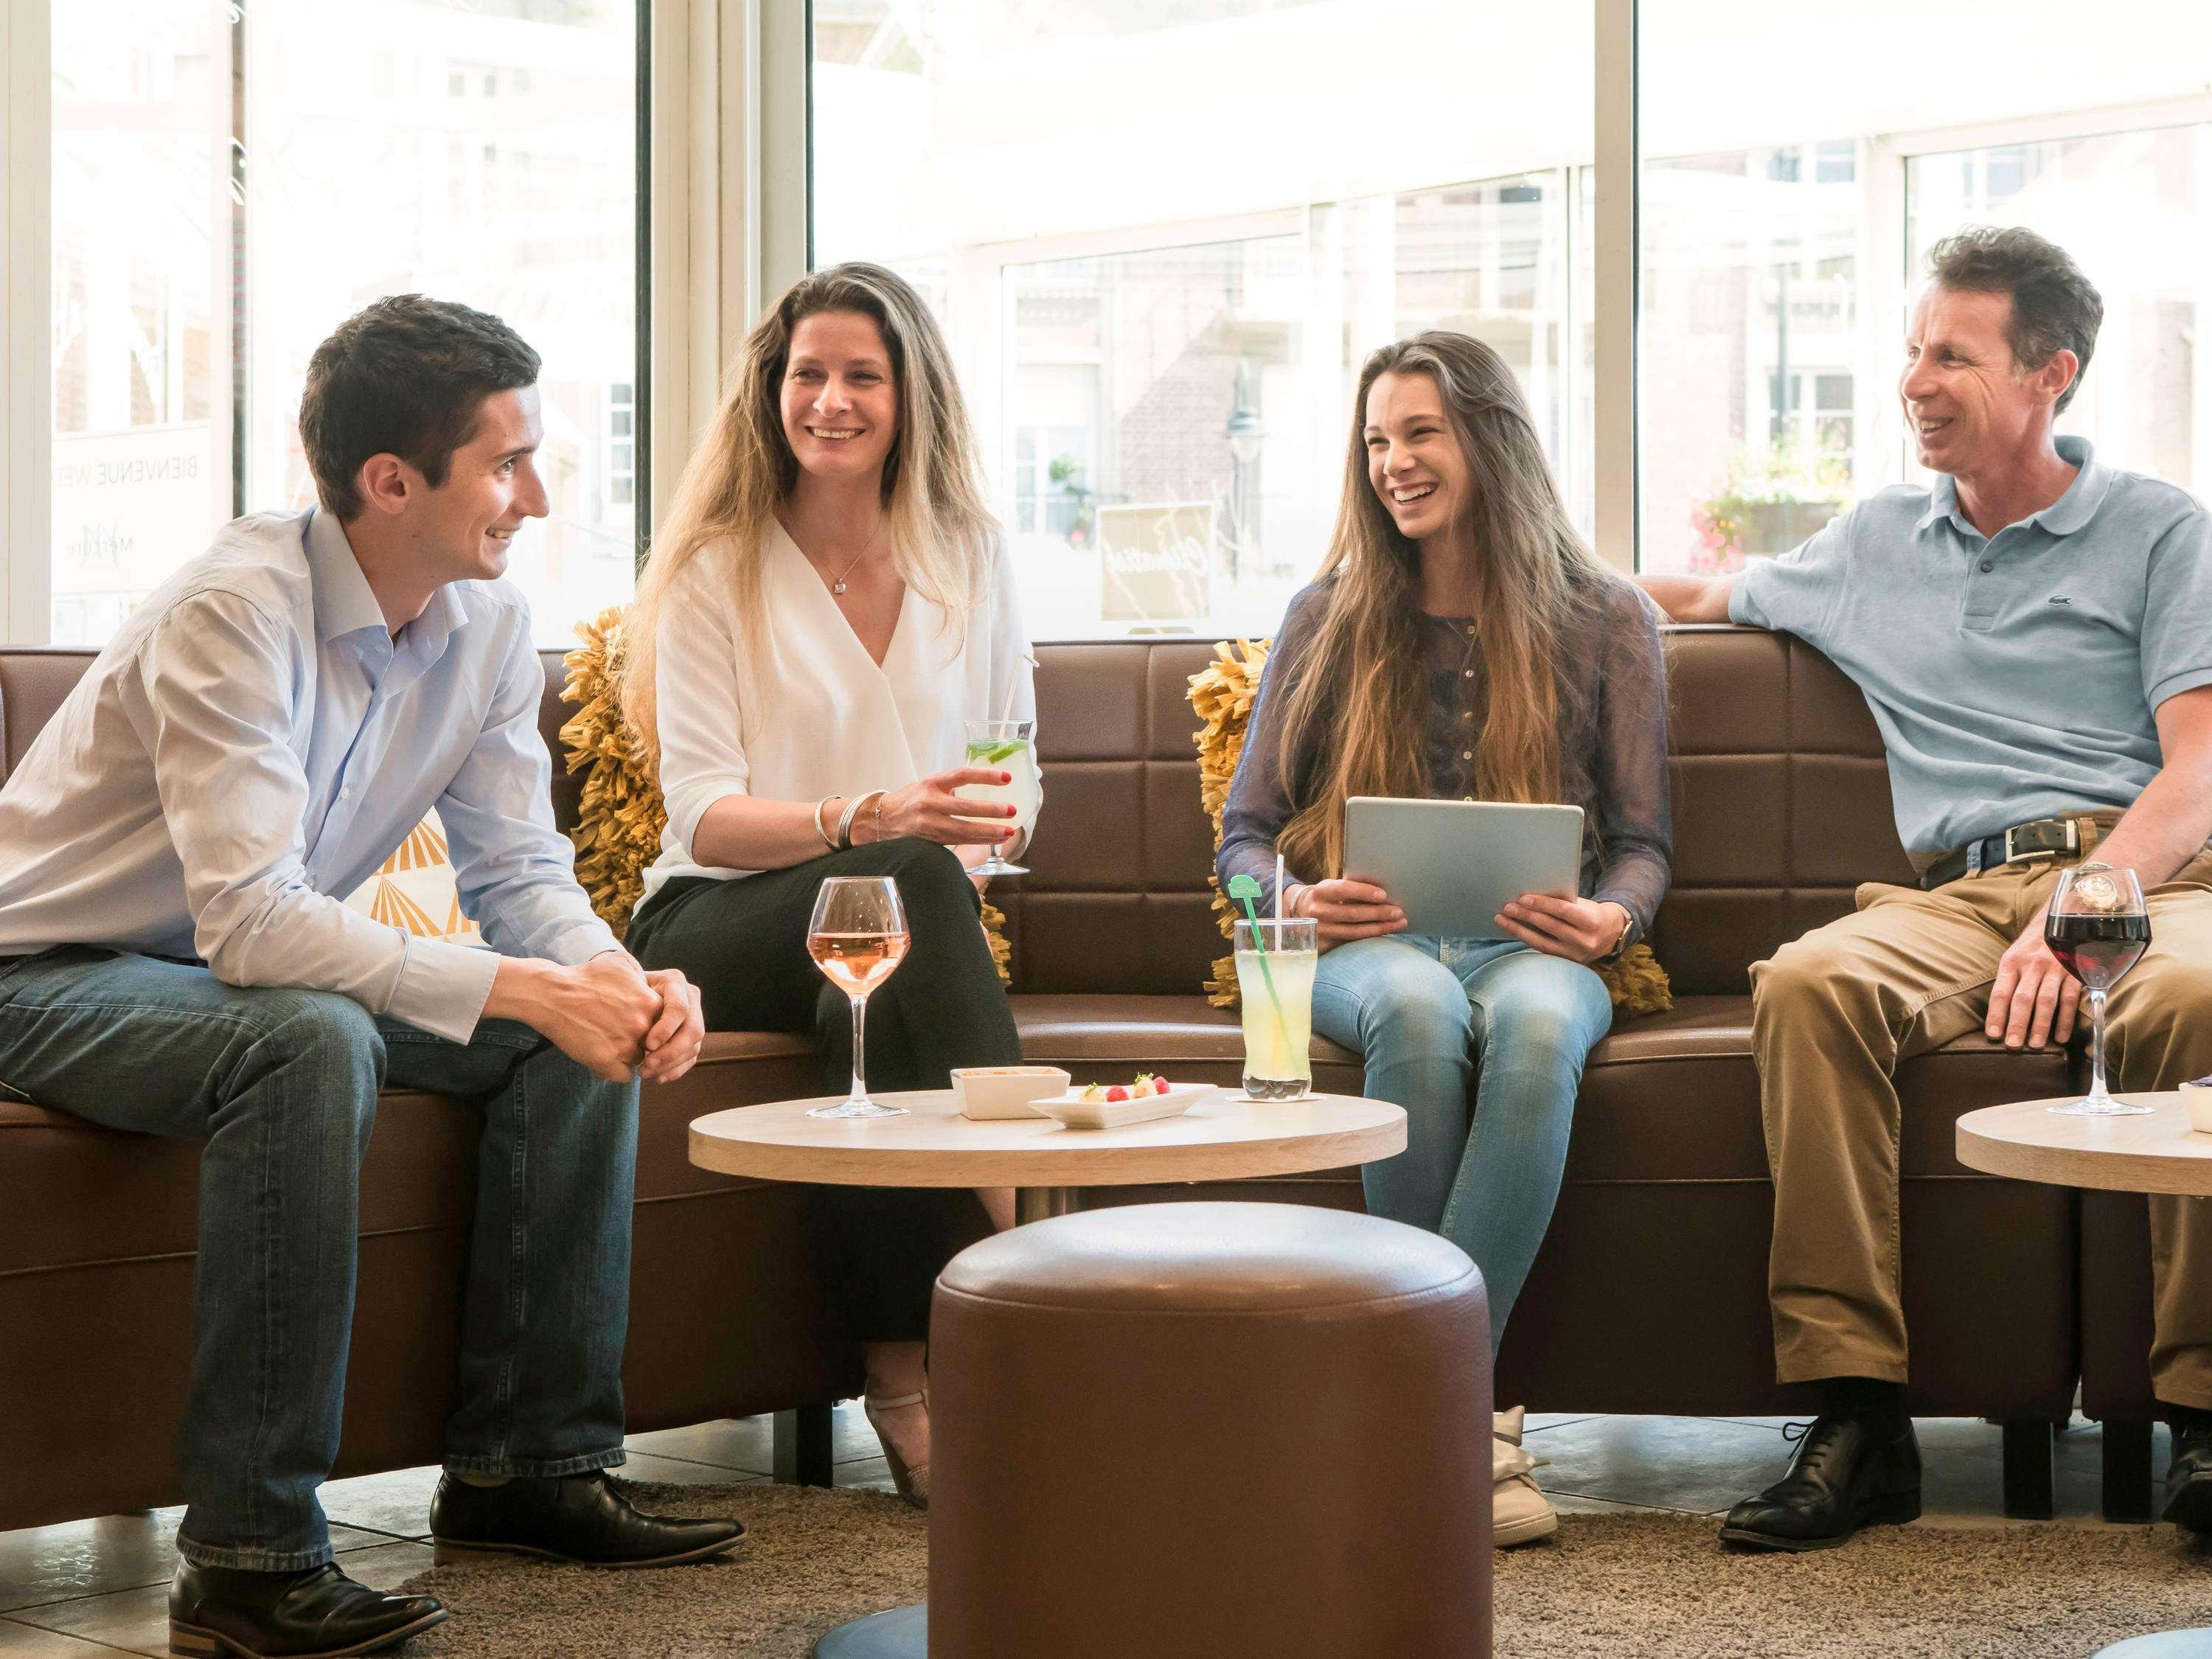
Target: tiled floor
pixel 98 1587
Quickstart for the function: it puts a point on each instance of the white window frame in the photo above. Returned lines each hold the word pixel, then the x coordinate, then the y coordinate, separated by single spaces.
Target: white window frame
pixel 1616 311
pixel 27 559
pixel 728 128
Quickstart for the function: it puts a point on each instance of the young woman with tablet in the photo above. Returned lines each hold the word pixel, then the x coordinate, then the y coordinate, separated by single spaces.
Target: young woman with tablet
pixel 828 606
pixel 1462 643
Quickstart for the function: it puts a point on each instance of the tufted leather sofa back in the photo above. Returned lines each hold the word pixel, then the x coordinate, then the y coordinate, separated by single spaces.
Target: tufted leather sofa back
pixel 1781 797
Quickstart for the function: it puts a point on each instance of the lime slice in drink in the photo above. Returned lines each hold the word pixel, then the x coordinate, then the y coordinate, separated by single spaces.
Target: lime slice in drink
pixel 1005 750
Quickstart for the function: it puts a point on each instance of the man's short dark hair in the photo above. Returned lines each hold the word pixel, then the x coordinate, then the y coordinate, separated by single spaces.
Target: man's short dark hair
pixel 2054 307
pixel 403 377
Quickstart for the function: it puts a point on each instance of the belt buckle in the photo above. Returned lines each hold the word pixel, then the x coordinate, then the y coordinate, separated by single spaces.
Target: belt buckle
pixel 2036 854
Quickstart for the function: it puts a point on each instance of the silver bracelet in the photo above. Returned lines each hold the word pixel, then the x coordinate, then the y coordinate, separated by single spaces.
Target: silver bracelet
pixel 851 811
pixel 828 841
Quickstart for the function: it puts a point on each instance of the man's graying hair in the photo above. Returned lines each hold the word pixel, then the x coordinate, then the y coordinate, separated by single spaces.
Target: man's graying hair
pixel 2054 307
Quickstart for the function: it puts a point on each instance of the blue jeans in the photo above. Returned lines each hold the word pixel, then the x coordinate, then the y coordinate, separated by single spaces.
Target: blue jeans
pixel 1482 1042
pixel 282 1086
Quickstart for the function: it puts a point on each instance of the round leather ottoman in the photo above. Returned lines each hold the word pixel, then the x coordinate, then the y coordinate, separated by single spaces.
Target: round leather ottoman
pixel 1174 1429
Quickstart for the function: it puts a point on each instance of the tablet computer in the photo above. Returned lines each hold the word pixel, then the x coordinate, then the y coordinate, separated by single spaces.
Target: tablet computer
pixel 1451 865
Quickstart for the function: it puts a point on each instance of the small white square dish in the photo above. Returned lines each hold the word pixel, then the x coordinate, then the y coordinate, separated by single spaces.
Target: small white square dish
pixel 1004 1091
pixel 2196 1101
pixel 1077 1113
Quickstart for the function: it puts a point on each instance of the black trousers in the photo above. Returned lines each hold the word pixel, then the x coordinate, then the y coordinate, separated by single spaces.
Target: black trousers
pixel 744 944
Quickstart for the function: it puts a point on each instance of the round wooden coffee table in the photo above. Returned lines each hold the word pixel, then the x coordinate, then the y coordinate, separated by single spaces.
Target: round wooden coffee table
pixel 2155 1153
pixel 1222 1136
pixel 2028 1141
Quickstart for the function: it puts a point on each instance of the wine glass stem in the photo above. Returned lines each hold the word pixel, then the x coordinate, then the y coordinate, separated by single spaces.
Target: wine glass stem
pixel 860 1094
pixel 2096 1091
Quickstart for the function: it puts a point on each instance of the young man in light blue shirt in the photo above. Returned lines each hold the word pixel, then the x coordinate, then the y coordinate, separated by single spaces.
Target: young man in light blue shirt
pixel 175 958
pixel 2033 635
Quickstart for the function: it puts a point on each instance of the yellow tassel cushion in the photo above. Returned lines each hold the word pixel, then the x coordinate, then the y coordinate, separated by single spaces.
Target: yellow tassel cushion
pixel 618 832
pixel 1222 694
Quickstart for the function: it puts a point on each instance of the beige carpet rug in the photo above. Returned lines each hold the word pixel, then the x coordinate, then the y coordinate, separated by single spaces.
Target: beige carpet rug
pixel 1620 1587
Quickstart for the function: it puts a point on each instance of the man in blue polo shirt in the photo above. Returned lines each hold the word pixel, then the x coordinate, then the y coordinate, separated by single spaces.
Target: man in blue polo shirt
pixel 2033 634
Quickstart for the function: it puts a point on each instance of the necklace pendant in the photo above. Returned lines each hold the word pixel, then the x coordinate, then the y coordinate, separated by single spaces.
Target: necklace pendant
pixel 836 588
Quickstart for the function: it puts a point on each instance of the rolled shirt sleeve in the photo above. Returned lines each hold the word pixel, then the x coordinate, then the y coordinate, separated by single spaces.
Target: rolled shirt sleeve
pixel 212 702
pixel 515 874
pixel 1796 593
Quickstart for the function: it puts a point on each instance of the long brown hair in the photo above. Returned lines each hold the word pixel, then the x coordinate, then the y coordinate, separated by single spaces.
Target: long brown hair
pixel 1359 706
pixel 941 530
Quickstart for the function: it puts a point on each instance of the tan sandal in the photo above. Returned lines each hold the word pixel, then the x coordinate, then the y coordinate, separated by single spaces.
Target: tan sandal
pixel 913 1484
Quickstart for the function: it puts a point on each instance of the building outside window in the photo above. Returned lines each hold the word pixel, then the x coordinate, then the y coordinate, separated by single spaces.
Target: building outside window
pixel 621 445
pixel 1258 192
pixel 1162 239
pixel 1162 236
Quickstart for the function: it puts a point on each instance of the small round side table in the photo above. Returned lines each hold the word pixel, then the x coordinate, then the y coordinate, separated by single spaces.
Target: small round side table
pixel 2155 1153
pixel 1222 1136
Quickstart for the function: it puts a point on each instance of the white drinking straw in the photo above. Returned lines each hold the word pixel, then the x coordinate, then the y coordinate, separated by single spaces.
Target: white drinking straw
pixel 1278 897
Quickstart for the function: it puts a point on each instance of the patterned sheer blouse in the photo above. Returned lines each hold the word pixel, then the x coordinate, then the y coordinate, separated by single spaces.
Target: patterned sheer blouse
pixel 1613 745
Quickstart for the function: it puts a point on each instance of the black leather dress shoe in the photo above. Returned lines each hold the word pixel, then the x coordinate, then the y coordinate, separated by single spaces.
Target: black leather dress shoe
pixel 579 1518
pixel 320 1613
pixel 2189 1481
pixel 1849 1473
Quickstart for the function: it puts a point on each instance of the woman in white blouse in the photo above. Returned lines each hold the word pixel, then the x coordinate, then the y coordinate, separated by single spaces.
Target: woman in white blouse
pixel 828 605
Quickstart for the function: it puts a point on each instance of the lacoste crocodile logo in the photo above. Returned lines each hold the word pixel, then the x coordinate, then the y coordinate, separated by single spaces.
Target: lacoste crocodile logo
pixel 2060 599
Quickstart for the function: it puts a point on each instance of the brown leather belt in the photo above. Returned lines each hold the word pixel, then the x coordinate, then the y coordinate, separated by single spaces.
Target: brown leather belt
pixel 2024 843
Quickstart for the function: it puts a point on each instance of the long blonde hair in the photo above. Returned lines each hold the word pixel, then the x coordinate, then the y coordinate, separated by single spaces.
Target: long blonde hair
pixel 1359 707
pixel 941 532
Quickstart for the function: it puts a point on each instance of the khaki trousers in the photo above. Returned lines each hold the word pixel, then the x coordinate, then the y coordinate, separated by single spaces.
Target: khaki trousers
pixel 1832 1014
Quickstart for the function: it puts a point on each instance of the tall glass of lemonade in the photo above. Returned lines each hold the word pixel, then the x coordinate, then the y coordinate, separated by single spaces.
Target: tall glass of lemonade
pixel 1274 981
pixel 1010 746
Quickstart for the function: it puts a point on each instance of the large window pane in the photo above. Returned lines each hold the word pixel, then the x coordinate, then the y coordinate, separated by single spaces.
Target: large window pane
pixel 209 230
pixel 486 154
pixel 1750 345
pixel 1162 238
pixel 141 232
pixel 1786 219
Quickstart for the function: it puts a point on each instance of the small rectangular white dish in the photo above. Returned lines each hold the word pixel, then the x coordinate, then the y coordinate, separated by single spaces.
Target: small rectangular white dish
pixel 2197 1100
pixel 1076 1113
pixel 989 1092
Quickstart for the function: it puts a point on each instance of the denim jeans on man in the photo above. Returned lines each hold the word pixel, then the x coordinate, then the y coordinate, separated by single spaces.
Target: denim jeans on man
pixel 1482 1042
pixel 282 1086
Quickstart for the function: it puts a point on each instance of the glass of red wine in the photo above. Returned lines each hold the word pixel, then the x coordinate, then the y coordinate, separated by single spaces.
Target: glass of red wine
pixel 2097 927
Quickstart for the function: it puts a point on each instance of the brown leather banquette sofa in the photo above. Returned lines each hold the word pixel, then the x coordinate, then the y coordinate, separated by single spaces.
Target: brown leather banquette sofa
pixel 1649 1296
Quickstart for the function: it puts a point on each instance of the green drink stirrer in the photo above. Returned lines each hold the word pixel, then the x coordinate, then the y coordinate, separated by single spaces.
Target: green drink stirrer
pixel 1244 889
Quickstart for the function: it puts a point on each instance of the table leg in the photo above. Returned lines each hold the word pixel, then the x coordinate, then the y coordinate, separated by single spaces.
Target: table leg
pixel 1037 1203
